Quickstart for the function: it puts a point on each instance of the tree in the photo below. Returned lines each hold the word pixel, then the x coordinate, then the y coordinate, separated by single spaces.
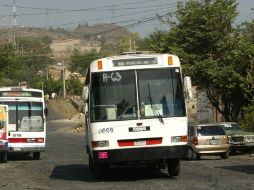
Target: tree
pixel 128 43
pixel 35 56
pixel 156 41
pixel 218 59
pixel 11 69
pixel 74 86
pixel 81 61
pixel 247 30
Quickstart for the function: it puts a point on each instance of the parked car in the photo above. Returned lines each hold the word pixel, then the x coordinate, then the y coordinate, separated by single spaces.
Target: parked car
pixel 207 139
pixel 239 139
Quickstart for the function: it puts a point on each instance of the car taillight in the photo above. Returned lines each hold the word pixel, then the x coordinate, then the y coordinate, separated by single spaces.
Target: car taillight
pixel 195 140
pixel 229 139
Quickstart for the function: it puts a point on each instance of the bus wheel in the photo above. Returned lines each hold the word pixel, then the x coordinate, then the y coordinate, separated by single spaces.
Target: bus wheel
pixel 90 163
pixel 3 157
pixel 100 170
pixel 173 167
pixel 36 155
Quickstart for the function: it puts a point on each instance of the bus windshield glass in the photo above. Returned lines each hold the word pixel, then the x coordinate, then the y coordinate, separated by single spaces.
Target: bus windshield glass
pixel 161 93
pixel 25 116
pixel 114 94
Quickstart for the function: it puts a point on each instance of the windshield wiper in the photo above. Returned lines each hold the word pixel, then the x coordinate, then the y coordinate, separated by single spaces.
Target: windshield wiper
pixel 154 108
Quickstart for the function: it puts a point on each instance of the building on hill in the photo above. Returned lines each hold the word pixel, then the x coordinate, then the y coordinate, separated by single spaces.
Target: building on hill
pixel 62 49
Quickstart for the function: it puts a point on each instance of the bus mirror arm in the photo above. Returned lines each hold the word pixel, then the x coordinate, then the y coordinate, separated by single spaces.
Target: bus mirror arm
pixel 85 93
pixel 188 88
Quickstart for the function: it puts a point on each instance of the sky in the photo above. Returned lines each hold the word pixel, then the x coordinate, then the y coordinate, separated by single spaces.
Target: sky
pixel 136 15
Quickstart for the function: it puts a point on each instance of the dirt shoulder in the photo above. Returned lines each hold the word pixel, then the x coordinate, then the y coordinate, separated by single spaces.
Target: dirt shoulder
pixel 61 109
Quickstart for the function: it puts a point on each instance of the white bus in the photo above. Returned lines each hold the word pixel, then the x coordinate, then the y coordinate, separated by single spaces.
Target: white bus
pixel 26 131
pixel 136 112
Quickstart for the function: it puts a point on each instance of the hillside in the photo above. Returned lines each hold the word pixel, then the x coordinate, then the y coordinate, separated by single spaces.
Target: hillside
pixel 110 32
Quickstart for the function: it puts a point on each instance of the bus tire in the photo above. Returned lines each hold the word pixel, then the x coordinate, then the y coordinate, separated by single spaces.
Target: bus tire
pixel 173 167
pixel 36 155
pixel 100 170
pixel 3 157
pixel 90 163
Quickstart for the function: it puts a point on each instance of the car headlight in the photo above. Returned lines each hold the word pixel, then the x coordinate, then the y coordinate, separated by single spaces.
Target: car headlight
pixel 249 138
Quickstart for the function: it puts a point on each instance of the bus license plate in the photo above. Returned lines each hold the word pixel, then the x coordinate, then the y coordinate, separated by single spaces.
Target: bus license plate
pixel 139 143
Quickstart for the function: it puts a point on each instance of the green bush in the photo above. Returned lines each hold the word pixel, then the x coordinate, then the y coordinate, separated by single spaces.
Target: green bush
pixel 74 87
pixel 248 120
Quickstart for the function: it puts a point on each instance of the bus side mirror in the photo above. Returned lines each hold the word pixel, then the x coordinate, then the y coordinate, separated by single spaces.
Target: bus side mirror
pixel 85 93
pixel 187 88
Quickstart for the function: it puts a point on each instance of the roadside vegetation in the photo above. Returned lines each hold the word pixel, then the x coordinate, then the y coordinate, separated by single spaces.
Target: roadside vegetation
pixel 217 54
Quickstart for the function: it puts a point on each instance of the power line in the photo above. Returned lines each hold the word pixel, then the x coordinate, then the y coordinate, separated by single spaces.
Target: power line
pixel 103 18
pixel 145 20
pixel 83 9
pixel 71 10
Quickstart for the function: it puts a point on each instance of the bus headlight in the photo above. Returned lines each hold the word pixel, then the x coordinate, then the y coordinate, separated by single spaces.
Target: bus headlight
pixel 176 139
pixel 100 143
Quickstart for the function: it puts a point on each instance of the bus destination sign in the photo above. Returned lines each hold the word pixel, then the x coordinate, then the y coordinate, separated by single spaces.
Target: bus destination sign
pixel 20 94
pixel 132 62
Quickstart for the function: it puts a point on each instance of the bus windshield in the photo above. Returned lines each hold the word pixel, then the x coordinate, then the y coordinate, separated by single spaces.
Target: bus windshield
pixel 25 116
pixel 114 94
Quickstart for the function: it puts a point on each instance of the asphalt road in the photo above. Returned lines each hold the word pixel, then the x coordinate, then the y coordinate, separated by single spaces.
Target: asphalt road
pixel 64 165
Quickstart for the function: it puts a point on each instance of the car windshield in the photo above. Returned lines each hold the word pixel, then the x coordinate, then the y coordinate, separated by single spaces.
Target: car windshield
pixel 210 130
pixel 114 94
pixel 232 127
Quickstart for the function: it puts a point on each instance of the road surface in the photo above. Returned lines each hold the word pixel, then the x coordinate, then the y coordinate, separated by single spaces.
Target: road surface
pixel 64 166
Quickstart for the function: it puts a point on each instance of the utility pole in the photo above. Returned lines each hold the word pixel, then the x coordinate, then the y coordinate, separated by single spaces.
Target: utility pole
pixel 14 22
pixel 130 46
pixel 47 16
pixel 112 14
pixel 64 93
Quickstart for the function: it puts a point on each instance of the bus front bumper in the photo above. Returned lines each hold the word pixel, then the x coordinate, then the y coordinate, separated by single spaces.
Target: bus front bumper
pixel 139 154
pixel 26 149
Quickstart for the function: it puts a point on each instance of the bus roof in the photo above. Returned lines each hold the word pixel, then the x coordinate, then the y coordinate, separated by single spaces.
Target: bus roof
pixel 134 61
pixel 20 92
pixel 16 88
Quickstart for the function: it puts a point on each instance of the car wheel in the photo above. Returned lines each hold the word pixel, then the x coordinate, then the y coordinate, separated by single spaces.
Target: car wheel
pixel 198 156
pixel 225 155
pixel 90 163
pixel 189 154
pixel 251 151
pixel 36 155
pixel 173 167
pixel 100 170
